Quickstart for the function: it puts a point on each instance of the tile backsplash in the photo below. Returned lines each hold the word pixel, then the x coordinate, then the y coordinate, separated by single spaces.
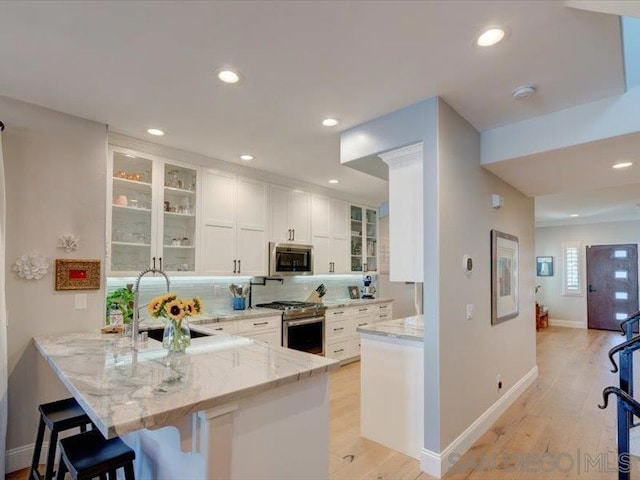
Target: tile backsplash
pixel 215 295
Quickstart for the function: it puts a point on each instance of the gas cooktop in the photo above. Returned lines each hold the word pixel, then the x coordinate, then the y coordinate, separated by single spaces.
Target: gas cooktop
pixel 297 310
pixel 288 305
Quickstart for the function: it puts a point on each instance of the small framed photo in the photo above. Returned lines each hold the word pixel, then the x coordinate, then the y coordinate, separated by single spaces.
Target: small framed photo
pixel 77 274
pixel 354 292
pixel 544 266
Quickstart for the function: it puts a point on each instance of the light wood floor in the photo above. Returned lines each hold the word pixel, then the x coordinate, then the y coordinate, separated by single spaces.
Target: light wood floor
pixel 557 415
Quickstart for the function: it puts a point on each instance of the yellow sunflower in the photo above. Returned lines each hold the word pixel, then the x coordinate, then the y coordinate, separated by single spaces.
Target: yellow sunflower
pixel 155 305
pixel 188 307
pixel 169 297
pixel 174 310
pixel 197 305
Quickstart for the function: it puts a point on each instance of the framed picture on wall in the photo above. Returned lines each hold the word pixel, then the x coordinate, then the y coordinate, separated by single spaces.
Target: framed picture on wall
pixel 504 277
pixel 544 266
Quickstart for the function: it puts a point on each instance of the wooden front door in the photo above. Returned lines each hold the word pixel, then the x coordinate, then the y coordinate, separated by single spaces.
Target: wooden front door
pixel 612 285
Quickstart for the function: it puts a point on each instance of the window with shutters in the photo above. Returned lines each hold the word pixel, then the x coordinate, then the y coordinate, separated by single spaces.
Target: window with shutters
pixel 572 269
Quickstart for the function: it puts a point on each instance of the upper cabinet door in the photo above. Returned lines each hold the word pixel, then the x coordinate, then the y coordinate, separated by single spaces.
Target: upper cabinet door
pixel 320 216
pixel 131 212
pixel 280 228
pixel 338 219
pixel 252 204
pixel 299 216
pixel 178 219
pixel 218 198
pixel 339 248
pixel 321 258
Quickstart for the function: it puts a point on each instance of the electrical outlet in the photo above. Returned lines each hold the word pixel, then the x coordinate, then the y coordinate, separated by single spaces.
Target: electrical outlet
pixel 305 285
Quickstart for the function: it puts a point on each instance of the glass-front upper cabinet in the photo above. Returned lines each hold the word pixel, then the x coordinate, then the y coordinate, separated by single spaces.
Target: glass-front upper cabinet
pixel 131 215
pixel 364 239
pixel 151 214
pixel 179 218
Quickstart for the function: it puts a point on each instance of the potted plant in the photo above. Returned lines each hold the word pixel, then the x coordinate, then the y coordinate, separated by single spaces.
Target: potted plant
pixel 121 299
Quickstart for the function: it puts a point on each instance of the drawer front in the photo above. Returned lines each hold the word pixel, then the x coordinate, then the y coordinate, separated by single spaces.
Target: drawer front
pixel 337 330
pixel 384 316
pixel 360 322
pixel 227 327
pixel 336 314
pixel 261 324
pixel 365 310
pixel 385 308
pixel 272 337
pixel 339 350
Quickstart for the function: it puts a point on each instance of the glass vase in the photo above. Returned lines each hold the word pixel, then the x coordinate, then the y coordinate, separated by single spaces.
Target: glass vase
pixel 177 336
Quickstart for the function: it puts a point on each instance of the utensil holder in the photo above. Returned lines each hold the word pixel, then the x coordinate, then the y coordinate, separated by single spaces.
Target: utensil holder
pixel 239 303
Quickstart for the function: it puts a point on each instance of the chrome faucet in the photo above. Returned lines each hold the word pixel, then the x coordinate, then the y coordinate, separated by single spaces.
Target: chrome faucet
pixel 135 327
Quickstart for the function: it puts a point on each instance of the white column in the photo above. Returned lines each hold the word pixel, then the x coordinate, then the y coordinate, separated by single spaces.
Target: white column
pixel 216 440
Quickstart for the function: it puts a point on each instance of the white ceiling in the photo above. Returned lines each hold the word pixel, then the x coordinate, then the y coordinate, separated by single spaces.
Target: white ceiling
pixel 135 65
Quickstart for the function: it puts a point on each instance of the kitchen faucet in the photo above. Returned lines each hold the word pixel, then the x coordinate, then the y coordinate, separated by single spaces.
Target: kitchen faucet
pixel 135 327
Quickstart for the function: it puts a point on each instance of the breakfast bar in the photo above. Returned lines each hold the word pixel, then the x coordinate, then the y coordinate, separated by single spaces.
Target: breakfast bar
pixel 190 415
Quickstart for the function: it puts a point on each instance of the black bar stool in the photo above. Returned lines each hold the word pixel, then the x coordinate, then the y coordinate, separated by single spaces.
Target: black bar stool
pixel 57 417
pixel 89 455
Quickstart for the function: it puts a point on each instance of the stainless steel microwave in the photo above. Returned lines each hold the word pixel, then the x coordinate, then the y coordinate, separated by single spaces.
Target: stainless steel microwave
pixel 290 259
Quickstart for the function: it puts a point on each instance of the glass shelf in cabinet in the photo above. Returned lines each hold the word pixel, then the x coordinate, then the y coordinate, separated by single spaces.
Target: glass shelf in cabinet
pixel 126 208
pixel 179 190
pixel 129 244
pixel 126 181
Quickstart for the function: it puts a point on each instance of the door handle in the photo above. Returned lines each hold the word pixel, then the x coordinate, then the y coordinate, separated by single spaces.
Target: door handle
pixel 235 262
pixel 591 289
pixel 239 266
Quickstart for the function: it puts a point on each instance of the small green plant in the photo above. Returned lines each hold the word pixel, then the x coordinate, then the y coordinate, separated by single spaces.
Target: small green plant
pixel 122 298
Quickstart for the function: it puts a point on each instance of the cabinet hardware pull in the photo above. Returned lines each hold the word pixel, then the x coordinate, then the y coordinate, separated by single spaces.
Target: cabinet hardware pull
pixel 219 328
pixel 160 260
pixel 290 235
pixel 361 324
pixel 383 306
pixel 294 234
pixel 239 266
pixel 362 309
pixel 338 313
pixel 338 351
pixel 234 265
pixel 260 323
pixel 336 329
pixel 154 263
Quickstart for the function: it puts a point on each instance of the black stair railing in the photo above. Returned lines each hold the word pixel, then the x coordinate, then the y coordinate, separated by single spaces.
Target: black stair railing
pixel 627 325
pixel 627 408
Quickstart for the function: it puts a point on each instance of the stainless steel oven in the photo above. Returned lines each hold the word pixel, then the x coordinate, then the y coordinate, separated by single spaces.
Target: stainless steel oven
pixel 302 325
pixel 306 335
pixel 290 259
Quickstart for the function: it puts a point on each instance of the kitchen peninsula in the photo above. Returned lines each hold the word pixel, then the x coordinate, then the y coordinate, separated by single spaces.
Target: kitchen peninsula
pixel 392 383
pixel 225 409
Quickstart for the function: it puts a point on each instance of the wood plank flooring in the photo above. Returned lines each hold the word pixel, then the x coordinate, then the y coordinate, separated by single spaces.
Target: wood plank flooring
pixel 557 415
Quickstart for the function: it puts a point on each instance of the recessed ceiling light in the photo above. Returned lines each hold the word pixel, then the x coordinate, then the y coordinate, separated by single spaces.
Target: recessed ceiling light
pixel 333 180
pixel 491 36
pixel 623 165
pixel 246 157
pixel 228 76
pixel 522 92
pixel 155 131
pixel 330 122
pixel 574 215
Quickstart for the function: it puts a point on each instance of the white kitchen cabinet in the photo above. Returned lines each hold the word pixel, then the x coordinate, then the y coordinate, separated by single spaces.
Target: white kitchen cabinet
pixel 264 329
pixel 234 225
pixel 364 239
pixel 290 215
pixel 405 213
pixel 151 213
pixel 330 223
pixel 342 340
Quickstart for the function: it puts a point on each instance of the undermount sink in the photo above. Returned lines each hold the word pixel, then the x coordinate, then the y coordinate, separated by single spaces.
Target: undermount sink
pixel 157 333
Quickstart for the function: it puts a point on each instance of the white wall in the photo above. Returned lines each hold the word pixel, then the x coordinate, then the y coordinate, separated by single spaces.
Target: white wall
pixel 473 352
pixel 572 310
pixel 55 167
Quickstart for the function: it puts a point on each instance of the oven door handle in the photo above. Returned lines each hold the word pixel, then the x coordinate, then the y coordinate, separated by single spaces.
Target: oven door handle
pixel 306 321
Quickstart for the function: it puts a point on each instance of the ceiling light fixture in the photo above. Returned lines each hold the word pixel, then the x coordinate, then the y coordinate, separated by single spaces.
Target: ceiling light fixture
pixel 330 122
pixel 333 180
pixel 490 36
pixel 228 76
pixel 574 215
pixel 622 165
pixel 246 157
pixel 155 131
pixel 522 92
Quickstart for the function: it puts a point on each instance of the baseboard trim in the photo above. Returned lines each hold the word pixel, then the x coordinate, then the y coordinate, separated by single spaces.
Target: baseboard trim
pixel 20 457
pixel 566 324
pixel 437 464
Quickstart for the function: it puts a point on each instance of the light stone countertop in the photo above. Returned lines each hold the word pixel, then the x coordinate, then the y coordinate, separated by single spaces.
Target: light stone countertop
pixel 215 317
pixel 409 328
pixel 354 303
pixel 123 389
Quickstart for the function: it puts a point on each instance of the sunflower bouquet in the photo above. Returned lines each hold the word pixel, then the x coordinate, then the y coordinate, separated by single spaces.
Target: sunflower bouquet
pixel 176 337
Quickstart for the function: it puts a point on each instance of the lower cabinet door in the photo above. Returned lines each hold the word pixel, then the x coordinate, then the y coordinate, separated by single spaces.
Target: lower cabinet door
pixel 339 350
pixel 272 337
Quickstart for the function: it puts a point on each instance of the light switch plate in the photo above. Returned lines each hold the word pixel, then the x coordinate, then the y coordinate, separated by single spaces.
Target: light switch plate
pixel 469 311
pixel 80 301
